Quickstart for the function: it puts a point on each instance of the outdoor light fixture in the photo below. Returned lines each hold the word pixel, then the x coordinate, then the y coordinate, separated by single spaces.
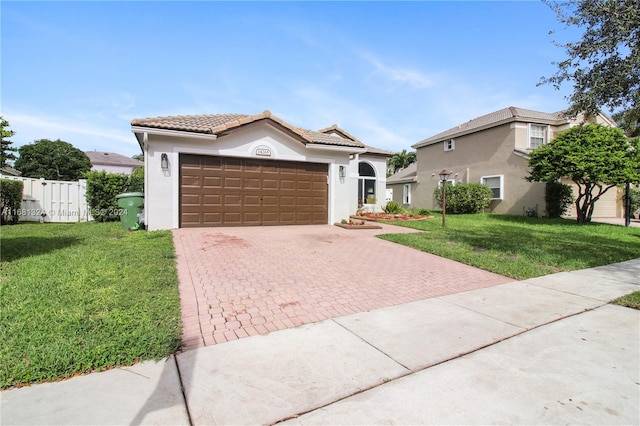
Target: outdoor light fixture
pixel 444 175
pixel 164 162
pixel 342 171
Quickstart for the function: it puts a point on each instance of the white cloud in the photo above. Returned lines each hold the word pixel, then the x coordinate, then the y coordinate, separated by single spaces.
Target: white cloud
pixel 397 75
pixel 112 136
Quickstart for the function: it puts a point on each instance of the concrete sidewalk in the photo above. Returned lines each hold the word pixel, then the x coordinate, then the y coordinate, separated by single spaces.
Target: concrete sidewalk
pixel 548 350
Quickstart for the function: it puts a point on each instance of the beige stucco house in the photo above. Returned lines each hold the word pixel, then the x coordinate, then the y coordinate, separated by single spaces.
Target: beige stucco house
pixel 243 170
pixel 493 149
pixel 402 185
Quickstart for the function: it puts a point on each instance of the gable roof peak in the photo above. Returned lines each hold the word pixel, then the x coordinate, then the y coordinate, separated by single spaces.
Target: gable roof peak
pixel 493 119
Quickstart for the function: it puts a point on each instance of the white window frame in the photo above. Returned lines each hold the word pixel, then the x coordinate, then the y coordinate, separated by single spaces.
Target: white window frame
pixel 406 193
pixel 452 181
pixel 501 177
pixel 545 135
pixel 449 144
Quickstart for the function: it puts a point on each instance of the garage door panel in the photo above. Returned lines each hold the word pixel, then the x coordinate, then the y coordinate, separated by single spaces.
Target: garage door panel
pixel 212 200
pixel 287 201
pixel 211 181
pixel 303 186
pixel 270 200
pixel 251 183
pixel 208 163
pixel 270 184
pixel 232 182
pixel 251 200
pixel 225 191
pixel 287 185
pixel 232 200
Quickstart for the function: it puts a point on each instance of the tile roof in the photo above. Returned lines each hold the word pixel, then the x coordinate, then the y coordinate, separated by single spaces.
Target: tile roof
pixel 493 119
pixel 408 174
pixel 217 124
pixel 112 159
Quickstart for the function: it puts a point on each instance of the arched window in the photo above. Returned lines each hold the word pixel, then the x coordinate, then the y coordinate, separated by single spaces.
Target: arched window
pixel 366 184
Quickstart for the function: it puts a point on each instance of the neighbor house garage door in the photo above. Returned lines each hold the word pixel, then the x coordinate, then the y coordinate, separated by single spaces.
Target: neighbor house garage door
pixel 225 191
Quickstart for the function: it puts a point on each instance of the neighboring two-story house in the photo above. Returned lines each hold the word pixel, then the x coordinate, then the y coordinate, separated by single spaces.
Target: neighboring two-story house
pixel 493 150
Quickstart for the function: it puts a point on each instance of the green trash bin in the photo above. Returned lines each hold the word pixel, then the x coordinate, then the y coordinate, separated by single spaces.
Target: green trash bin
pixel 131 205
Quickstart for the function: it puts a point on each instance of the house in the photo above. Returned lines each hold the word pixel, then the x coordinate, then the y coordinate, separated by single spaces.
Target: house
pixel 493 150
pixel 9 171
pixel 111 162
pixel 242 170
pixel 402 184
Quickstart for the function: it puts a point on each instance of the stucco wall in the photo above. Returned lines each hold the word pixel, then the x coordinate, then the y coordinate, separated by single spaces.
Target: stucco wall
pixel 487 153
pixel 162 187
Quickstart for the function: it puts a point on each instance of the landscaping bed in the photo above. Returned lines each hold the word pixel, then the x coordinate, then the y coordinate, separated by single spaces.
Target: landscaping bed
pixel 387 217
pixel 357 224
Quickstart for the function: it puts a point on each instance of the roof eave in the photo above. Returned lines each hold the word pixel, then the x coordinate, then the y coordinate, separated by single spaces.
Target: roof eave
pixel 167 132
pixel 428 142
pixel 339 148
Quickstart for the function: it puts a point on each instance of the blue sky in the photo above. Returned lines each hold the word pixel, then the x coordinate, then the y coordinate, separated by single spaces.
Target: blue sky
pixel 389 73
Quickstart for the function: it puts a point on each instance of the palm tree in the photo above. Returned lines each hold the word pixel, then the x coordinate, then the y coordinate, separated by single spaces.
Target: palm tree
pixel 400 160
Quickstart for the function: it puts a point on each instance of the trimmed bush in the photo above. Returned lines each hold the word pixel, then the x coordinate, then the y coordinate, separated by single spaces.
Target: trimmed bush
pixel 10 200
pixel 102 188
pixel 558 198
pixel 136 181
pixel 465 198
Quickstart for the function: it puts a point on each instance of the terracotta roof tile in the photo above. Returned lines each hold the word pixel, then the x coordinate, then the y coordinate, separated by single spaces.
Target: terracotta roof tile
pixel 489 120
pixel 215 124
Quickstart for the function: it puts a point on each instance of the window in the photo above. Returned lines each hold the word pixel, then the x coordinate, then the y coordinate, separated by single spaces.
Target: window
pixel 366 184
pixel 406 194
pixel 496 183
pixel 449 145
pixel 451 181
pixel 537 135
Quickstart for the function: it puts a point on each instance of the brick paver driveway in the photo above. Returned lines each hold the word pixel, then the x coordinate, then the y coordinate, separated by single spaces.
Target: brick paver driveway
pixel 238 282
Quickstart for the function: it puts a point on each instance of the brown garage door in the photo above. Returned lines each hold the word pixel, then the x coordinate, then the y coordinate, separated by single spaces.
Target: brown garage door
pixel 226 191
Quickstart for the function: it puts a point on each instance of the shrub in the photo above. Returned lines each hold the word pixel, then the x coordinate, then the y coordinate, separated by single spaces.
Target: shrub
pixel 634 195
pixel 423 212
pixel 392 208
pixel 102 188
pixel 10 200
pixel 136 181
pixel 465 198
pixel 558 198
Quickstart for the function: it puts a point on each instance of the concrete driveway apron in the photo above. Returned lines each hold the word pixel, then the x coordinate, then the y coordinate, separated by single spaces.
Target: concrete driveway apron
pixel 239 282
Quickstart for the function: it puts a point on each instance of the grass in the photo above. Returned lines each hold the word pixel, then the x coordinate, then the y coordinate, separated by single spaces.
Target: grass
pixel 630 301
pixel 81 297
pixel 522 247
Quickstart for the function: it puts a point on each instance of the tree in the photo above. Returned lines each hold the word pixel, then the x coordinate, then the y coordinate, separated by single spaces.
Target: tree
pixel 604 66
pixel 595 157
pixel 7 150
pixel 401 160
pixel 56 160
pixel 629 121
pixel 138 157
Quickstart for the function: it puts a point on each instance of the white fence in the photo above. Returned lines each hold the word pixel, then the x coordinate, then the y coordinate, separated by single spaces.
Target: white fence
pixel 53 200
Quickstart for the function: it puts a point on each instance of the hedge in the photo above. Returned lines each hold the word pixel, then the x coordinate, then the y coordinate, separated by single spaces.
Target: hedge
pixel 102 188
pixel 10 200
pixel 465 198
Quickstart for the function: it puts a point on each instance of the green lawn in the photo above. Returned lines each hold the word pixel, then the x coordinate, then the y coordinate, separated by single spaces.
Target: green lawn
pixel 522 247
pixel 83 297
